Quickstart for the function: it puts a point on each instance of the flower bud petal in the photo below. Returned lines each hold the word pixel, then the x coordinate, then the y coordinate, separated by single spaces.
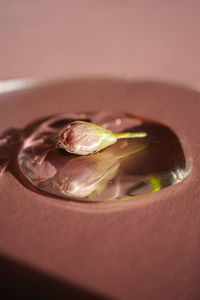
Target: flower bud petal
pixel 84 138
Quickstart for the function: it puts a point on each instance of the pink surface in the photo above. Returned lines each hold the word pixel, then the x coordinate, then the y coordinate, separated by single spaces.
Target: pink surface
pixel 151 39
pixel 145 249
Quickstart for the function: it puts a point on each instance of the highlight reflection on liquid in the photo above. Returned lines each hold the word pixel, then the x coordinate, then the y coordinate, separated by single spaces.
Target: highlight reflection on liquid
pixel 127 169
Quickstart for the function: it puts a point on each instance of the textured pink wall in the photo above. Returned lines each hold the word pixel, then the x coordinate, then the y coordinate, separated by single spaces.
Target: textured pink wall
pixel 142 250
pixel 140 38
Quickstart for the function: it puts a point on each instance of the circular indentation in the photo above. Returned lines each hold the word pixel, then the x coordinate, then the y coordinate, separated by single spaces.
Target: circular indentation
pixel 125 170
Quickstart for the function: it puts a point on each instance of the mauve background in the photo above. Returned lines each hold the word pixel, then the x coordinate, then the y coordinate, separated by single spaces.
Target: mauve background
pixel 151 39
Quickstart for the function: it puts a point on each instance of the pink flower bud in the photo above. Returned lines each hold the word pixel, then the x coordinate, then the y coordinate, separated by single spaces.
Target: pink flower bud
pixel 84 138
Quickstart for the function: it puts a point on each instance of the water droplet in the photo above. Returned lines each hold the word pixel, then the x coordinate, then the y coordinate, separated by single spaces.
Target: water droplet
pixel 127 169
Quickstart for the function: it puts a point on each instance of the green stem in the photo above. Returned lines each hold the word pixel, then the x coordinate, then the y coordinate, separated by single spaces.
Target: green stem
pixel 156 186
pixel 128 135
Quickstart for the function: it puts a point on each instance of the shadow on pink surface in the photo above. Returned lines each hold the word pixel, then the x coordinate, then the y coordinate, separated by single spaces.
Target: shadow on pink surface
pixel 19 280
